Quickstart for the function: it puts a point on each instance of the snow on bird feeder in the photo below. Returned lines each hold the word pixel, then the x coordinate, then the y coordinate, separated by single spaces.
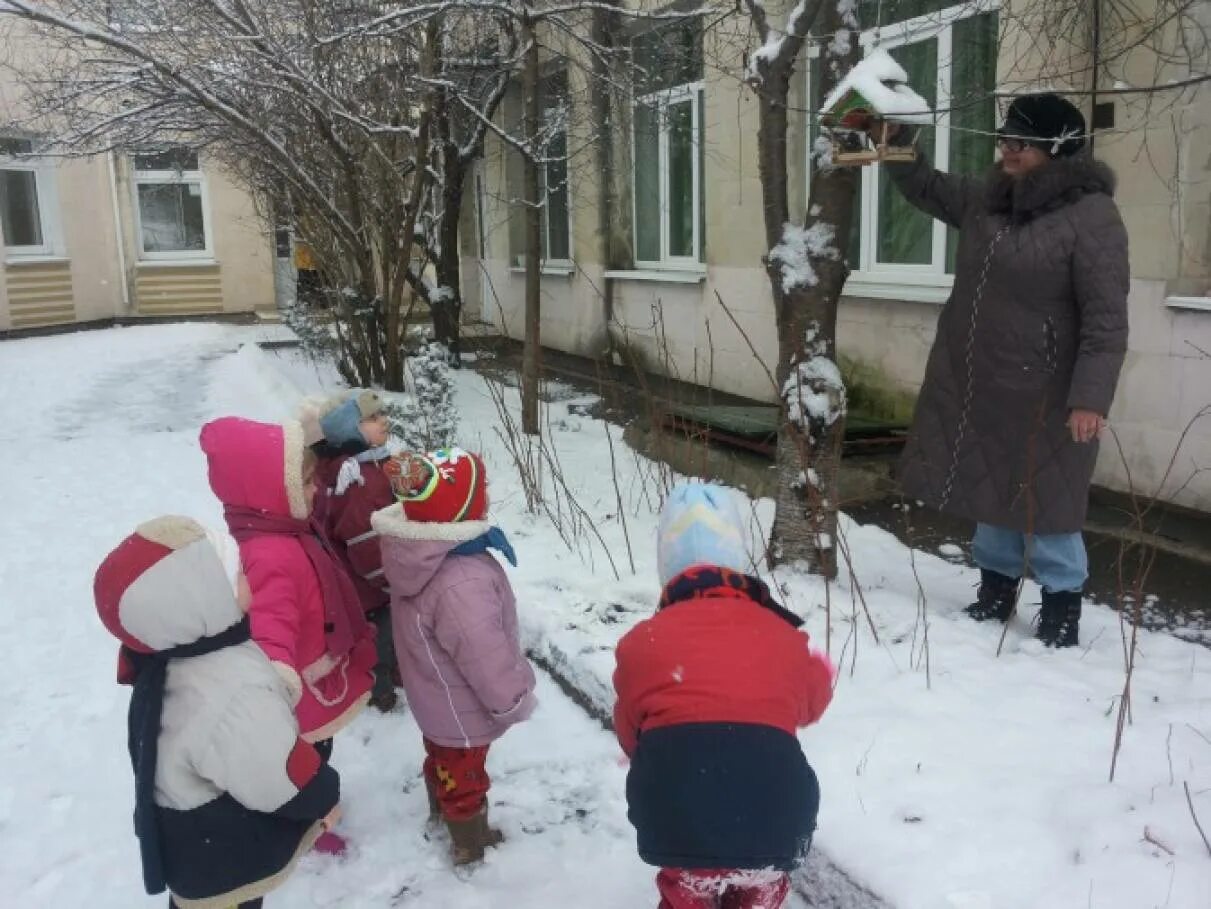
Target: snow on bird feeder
pixel 877 88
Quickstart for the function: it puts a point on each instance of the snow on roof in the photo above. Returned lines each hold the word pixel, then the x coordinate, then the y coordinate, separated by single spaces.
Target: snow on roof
pixel 882 82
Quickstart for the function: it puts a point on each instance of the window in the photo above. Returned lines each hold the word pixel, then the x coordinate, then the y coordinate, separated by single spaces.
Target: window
pixel 553 175
pixel 949 51
pixel 170 201
pixel 27 200
pixel 669 230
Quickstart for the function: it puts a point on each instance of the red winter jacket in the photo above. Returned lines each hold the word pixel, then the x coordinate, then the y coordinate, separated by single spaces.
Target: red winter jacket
pixel 710 692
pixel 718 659
pixel 346 517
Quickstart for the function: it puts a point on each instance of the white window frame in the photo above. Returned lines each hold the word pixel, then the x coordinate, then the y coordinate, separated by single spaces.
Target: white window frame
pixel 661 100
pixel 46 186
pixel 900 280
pixel 557 120
pixel 177 178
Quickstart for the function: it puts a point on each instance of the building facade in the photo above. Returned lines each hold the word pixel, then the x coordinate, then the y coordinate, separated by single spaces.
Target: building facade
pixel 654 240
pixel 120 235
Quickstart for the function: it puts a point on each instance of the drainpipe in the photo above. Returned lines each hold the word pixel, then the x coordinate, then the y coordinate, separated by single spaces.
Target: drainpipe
pixel 118 236
pixel 1097 65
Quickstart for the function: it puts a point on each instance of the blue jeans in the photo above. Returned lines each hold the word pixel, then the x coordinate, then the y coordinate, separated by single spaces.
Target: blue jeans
pixel 1058 561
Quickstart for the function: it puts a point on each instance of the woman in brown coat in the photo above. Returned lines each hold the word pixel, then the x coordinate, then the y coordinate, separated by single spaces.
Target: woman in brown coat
pixel 1026 359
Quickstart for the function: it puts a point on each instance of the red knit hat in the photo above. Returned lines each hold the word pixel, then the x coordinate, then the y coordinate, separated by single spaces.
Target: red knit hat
pixel 456 490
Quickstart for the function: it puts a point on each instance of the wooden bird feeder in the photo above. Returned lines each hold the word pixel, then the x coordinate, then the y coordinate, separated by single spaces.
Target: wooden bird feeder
pixel 876 89
pixel 853 146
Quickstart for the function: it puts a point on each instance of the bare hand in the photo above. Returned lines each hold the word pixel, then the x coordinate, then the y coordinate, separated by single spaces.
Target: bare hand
pixel 1085 425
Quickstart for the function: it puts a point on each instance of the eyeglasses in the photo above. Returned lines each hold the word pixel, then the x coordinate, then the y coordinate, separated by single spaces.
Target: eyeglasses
pixel 1012 145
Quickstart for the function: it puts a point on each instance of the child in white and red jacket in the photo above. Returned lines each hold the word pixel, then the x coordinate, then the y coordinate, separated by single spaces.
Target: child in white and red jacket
pixel 710 692
pixel 227 796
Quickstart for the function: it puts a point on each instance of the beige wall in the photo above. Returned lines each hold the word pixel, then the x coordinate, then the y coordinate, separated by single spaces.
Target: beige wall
pixel 85 279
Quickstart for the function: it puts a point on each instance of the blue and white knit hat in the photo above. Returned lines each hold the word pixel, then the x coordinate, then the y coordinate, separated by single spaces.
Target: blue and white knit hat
pixel 340 425
pixel 700 525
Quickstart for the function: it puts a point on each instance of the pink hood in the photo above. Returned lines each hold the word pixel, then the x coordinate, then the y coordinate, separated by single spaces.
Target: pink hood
pixel 256 465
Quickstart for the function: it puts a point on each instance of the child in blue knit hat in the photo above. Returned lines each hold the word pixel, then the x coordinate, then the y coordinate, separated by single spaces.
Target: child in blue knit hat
pixel 711 690
pixel 352 456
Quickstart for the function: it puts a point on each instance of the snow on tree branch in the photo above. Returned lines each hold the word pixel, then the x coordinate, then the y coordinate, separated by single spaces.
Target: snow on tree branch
pixel 794 253
pixel 814 392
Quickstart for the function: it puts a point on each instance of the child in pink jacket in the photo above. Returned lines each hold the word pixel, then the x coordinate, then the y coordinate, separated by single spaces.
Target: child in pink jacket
pixel 305 611
pixel 455 624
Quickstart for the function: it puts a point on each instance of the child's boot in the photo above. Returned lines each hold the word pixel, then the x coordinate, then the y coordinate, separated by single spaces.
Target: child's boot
pixel 469 838
pixel 1060 618
pixel 329 843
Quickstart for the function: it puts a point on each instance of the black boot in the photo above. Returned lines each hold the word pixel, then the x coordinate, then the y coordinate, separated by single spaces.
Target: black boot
pixel 995 599
pixel 1060 618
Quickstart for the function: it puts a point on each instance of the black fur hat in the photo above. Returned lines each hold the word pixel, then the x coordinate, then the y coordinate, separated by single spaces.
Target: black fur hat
pixel 1048 122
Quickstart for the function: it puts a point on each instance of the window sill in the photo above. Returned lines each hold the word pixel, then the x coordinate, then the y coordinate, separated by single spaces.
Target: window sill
pixel 897 290
pixel 565 271
pixel 178 263
pixel 663 276
pixel 38 259
pixel 1202 304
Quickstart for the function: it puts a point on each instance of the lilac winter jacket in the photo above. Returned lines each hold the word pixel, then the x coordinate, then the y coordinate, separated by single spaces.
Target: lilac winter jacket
pixel 454 620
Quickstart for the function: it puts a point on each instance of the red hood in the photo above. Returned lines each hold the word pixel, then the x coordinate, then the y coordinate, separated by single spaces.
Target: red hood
pixel 256 465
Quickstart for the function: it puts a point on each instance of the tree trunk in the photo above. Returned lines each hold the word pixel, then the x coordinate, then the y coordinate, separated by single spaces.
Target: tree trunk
pixel 532 352
pixel 447 309
pixel 809 452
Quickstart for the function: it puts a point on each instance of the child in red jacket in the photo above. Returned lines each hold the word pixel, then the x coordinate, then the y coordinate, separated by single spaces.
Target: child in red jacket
pixel 710 692
pixel 349 437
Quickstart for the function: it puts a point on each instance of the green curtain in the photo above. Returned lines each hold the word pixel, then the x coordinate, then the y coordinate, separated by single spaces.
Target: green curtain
pixel 555 213
pixel 647 183
pixel 973 106
pixel 886 12
pixel 905 234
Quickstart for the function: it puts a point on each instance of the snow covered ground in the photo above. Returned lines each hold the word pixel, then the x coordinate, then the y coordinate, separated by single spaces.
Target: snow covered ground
pixel 981 784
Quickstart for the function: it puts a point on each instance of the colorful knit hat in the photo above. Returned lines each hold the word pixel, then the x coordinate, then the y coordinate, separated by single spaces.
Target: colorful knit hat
pixel 456 488
pixel 340 425
pixel 700 526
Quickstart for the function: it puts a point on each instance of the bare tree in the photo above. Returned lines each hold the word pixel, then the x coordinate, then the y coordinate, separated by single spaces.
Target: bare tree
pixel 357 136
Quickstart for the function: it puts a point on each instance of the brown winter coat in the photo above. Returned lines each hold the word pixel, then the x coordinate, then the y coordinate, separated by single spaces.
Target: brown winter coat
pixel 1036 326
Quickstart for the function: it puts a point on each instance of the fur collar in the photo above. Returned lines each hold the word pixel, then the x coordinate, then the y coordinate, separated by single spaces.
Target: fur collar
pixel 1056 184
pixel 392 522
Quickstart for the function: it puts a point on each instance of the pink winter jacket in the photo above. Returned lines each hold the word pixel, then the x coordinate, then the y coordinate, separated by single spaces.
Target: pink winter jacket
pixel 259 465
pixel 455 624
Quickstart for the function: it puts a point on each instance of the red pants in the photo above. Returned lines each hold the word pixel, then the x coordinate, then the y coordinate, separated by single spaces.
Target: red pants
pixel 682 888
pixel 459 778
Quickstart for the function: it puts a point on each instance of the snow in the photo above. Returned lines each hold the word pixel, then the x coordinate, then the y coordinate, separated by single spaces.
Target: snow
pixel 950 551
pixel 814 392
pixel 884 83
pixel 981 784
pixel 796 249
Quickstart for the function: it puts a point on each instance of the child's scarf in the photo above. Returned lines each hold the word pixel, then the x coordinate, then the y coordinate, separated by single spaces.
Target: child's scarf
pixel 709 582
pixel 343 616
pixel 493 538
pixel 147 672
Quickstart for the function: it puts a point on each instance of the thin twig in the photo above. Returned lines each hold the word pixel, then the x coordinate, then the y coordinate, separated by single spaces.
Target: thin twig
pixel 1150 837
pixel 1190 802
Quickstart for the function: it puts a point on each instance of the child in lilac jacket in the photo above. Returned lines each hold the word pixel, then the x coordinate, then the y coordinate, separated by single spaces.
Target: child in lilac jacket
pixel 454 620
